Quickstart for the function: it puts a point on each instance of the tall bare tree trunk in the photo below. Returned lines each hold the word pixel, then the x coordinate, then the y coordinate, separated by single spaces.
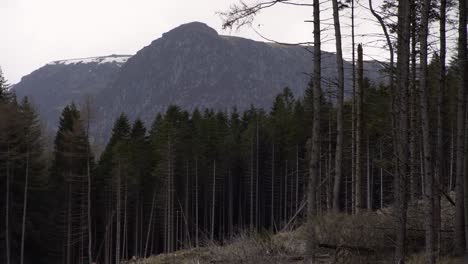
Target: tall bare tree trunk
pixel 25 207
pixel 272 216
pixel 118 215
pixel 463 68
pixel 401 109
pixel 213 205
pixel 328 166
pixel 414 128
pixel 150 225
pixel 285 213
pixel 231 205
pixel 452 158
pixel 314 173
pixel 369 176
pixel 440 168
pixel 88 174
pixel 460 229
pixel 136 230
pixel 353 115
pixel 186 209
pixel 7 207
pixel 297 179
pixel 381 180
pixel 256 178
pixel 196 203
pixel 359 105
pixel 427 149
pixel 339 109
pixel 69 220
pixel 90 237
pixel 251 185
pixel 125 223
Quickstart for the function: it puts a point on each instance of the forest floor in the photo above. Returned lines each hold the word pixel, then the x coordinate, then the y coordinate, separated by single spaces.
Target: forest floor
pixel 284 247
pixel 364 238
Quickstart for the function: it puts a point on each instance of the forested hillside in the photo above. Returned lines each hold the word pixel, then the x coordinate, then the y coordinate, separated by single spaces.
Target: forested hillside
pixel 185 179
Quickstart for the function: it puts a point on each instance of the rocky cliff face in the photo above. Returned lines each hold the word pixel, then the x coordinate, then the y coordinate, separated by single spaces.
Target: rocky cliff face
pixel 191 66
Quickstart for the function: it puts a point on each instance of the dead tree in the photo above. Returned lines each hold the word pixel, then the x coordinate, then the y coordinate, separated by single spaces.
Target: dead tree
pixel 314 173
pixel 339 110
pixel 359 136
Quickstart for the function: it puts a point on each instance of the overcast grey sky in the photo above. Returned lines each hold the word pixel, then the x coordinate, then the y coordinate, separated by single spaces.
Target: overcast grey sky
pixel 37 32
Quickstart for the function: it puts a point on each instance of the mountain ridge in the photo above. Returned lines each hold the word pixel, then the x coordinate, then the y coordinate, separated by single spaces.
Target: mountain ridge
pixel 191 65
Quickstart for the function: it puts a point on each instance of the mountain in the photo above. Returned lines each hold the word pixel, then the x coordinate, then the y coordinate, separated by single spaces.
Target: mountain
pixel 58 83
pixel 191 66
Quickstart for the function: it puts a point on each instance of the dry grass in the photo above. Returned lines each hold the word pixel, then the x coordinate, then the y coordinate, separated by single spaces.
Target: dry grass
pixel 258 249
pixel 364 238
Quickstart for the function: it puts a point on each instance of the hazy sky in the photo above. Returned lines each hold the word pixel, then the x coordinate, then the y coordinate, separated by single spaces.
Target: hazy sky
pixel 35 32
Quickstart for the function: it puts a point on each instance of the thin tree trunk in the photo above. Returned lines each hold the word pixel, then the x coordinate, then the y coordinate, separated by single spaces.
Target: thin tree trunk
pixel 414 128
pixel 136 231
pixel 25 206
pixel 251 185
pixel 166 220
pixel 230 209
pixel 339 109
pixel 171 199
pixel 452 158
pixel 297 179
pixel 140 254
pixel 149 225
pixel 440 163
pixel 421 167
pixel 256 179
pixel 369 179
pixel 315 144
pixel 360 95
pixel 381 181
pixel 118 215
pixel 186 238
pixel 196 203
pixel 285 213
pixel 401 109
pixel 353 113
pixel 69 221
pixel 427 150
pixel 213 205
pixel 7 207
pixel 125 237
pixel 111 240
pixel 328 165
pixel 272 187
pixel 177 231
pixel 460 157
pixel 88 173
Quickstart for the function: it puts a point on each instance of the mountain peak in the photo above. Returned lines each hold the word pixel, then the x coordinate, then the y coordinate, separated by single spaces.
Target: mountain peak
pixel 193 27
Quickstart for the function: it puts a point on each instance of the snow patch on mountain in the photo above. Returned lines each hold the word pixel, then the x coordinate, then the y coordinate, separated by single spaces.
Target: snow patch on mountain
pixel 117 59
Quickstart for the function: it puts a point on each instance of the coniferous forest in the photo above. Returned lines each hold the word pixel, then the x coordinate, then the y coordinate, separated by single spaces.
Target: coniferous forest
pixel 192 178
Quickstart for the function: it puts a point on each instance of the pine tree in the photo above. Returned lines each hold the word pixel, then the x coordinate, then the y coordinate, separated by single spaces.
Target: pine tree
pixel 68 173
pixel 33 164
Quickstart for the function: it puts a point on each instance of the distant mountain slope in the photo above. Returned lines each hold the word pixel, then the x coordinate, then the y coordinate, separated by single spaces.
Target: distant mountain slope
pixel 58 83
pixel 191 66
